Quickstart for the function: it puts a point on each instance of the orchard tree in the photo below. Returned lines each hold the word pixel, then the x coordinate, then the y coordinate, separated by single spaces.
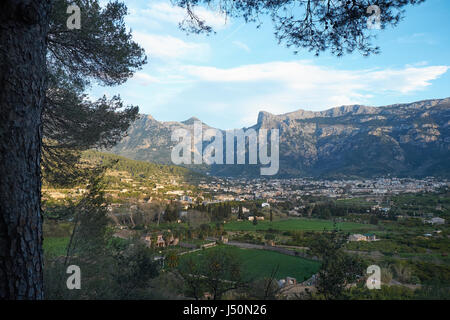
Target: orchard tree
pixel 338 269
pixel 222 273
pixel 217 272
pixel 240 214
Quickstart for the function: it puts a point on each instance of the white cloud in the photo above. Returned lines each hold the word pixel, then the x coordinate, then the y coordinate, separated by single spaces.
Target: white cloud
pixel 418 64
pixel 417 38
pixel 280 87
pixel 167 47
pixel 145 79
pixel 241 45
pixel 404 80
pixel 234 96
pixel 302 75
pixel 166 12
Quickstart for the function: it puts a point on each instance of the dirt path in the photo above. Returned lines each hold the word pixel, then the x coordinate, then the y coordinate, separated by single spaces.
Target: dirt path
pixel 279 249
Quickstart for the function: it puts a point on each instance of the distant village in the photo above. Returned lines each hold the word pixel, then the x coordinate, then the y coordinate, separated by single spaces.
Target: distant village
pixel 281 189
pixel 124 189
pixel 175 217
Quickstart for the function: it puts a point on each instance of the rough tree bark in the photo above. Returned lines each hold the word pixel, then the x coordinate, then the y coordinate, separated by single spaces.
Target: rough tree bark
pixel 23 29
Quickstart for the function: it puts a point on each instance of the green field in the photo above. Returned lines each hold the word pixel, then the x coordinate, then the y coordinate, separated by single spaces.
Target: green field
pixel 257 264
pixel 361 202
pixel 55 247
pixel 296 224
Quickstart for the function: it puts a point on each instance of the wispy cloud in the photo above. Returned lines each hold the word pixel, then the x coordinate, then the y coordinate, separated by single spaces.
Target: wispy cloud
pixel 241 45
pixel 303 75
pixel 167 13
pixel 286 86
pixel 145 79
pixel 167 47
pixel 417 38
pixel 233 96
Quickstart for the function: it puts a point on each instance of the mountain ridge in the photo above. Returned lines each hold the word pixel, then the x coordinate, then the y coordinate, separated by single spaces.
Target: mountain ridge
pixel 341 110
pixel 411 139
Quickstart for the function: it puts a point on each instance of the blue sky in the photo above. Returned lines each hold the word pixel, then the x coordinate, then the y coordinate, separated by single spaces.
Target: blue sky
pixel 226 78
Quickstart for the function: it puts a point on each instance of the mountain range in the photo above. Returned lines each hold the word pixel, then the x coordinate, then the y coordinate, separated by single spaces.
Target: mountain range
pixel 349 141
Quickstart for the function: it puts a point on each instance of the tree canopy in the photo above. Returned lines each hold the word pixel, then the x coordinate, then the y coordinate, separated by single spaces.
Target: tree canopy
pixel 102 51
pixel 337 26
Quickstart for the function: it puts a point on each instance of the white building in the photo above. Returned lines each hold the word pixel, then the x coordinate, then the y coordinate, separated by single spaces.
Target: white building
pixel 436 220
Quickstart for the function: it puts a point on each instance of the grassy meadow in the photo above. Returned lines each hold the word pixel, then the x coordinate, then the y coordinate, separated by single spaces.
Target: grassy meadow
pixel 296 224
pixel 257 264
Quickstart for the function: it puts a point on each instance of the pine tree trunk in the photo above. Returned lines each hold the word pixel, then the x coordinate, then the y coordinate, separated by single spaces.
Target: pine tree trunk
pixel 23 29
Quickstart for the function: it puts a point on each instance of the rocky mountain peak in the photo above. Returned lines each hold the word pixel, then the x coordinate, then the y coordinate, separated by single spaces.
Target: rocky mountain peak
pixel 411 139
pixel 190 121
